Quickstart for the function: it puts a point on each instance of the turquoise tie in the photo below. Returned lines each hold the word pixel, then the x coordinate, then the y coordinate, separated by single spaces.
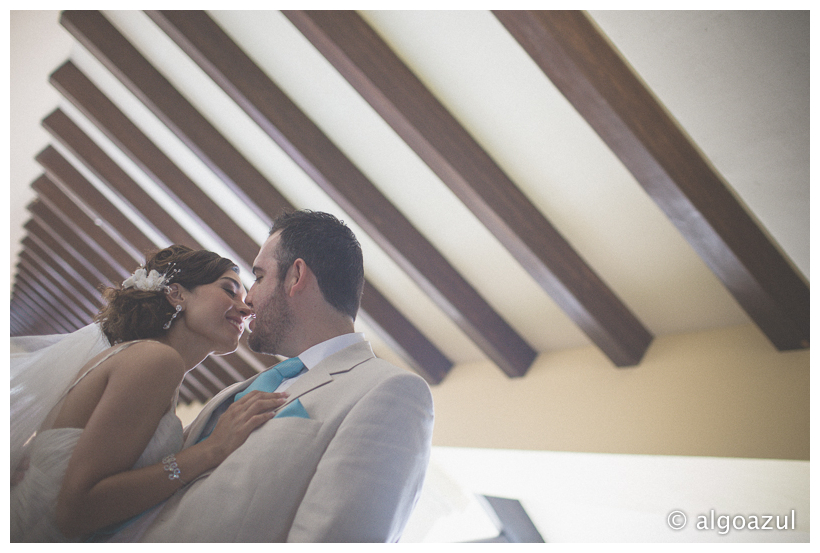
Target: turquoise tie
pixel 270 380
pixel 267 381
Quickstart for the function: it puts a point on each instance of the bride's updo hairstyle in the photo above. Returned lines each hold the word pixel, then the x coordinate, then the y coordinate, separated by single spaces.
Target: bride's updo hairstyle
pixel 138 309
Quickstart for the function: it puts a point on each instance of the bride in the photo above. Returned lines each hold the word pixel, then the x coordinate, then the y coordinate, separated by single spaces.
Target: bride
pixel 104 445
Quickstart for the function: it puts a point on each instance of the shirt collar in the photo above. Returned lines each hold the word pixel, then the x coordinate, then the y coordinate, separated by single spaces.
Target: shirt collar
pixel 318 353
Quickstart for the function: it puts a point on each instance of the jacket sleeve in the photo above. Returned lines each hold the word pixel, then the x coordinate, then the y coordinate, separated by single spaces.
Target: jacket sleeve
pixel 369 478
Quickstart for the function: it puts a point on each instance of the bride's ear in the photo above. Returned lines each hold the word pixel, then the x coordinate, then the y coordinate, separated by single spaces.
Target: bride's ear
pixel 176 294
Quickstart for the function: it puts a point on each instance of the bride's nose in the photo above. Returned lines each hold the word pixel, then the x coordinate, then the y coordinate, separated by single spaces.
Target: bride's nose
pixel 244 310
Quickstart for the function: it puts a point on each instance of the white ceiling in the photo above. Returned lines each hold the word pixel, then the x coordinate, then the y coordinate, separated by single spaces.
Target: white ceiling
pixel 737 82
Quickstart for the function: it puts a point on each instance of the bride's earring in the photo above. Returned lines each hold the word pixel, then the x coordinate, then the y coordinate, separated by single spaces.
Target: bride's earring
pixel 167 325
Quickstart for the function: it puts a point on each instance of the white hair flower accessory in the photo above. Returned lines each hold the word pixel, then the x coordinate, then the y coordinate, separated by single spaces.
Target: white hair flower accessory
pixel 147 282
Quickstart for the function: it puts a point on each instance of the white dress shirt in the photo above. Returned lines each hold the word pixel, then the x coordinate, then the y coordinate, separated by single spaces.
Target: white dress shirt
pixel 318 353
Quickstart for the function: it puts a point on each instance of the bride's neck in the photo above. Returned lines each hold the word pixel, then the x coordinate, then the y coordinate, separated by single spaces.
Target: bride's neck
pixel 191 351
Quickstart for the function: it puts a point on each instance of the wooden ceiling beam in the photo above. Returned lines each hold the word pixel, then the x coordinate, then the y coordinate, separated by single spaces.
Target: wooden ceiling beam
pixel 238 370
pixel 60 305
pixel 56 275
pixel 47 238
pixel 77 186
pixel 59 202
pixel 45 257
pixel 185 394
pixel 592 75
pixel 50 325
pixel 207 44
pixel 193 385
pixel 118 128
pixel 371 67
pixel 20 325
pixel 22 305
pixel 153 215
pixel 34 319
pixel 67 296
pixel 211 384
pixel 31 312
pixel 218 374
pixel 43 308
pixel 101 38
pixel 69 236
pixel 48 301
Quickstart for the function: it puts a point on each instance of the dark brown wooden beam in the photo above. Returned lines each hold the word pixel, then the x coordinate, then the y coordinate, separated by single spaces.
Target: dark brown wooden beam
pixel 48 238
pixel 206 379
pixel 107 170
pixel 236 368
pixel 61 204
pixel 35 322
pixel 193 385
pixel 45 257
pixel 19 323
pixel 202 39
pixel 58 305
pixel 83 192
pixel 185 395
pixel 39 305
pixel 49 302
pixel 56 275
pixel 369 65
pixel 124 61
pixel 67 235
pixel 587 69
pixel 95 105
pixel 218 374
pixel 50 280
pixel 45 322
pixel 79 252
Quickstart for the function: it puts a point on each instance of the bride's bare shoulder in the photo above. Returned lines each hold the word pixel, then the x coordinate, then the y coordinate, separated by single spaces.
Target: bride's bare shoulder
pixel 139 353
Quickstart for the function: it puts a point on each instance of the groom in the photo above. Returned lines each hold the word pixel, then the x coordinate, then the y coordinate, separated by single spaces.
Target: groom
pixel 345 459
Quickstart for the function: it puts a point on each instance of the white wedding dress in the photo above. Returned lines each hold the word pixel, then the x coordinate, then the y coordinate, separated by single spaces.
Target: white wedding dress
pixel 34 499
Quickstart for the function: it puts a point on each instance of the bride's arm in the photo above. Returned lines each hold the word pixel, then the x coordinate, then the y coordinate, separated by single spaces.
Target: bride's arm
pixel 99 488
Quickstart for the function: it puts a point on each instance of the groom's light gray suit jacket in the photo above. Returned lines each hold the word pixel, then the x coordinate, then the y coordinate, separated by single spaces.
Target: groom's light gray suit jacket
pixel 351 472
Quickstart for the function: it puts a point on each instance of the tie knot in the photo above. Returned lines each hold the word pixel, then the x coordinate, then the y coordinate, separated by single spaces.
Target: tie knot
pixel 289 367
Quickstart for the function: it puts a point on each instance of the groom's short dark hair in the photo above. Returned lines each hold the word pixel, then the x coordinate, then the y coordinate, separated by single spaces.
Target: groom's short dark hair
pixel 329 248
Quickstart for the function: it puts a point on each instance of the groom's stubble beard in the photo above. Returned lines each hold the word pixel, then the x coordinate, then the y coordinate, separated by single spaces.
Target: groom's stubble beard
pixel 272 324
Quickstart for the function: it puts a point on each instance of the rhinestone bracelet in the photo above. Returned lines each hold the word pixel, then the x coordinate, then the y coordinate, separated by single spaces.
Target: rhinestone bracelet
pixel 169 463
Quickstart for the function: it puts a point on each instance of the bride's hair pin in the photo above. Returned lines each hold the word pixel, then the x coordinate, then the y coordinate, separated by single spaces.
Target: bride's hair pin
pixel 151 281
pixel 167 325
pixel 146 281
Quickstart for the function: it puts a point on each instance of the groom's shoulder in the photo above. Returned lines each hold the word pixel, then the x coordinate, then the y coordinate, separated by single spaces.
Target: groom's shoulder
pixel 380 372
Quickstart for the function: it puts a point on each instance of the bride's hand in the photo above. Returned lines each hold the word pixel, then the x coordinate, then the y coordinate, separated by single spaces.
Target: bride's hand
pixel 243 417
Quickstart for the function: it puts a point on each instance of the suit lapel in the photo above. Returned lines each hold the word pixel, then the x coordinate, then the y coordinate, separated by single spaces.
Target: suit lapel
pixel 322 373
pixel 194 430
pixel 318 376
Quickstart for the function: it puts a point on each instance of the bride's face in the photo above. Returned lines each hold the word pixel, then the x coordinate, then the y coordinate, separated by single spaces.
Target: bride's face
pixel 217 312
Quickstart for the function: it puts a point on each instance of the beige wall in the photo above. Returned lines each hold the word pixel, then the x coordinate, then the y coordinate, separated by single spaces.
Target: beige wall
pixel 724 393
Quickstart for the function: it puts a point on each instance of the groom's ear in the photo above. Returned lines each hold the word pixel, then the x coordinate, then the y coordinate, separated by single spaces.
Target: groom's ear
pixel 298 276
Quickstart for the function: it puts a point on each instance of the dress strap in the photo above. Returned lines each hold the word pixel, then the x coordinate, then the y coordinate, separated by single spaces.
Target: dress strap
pixel 110 354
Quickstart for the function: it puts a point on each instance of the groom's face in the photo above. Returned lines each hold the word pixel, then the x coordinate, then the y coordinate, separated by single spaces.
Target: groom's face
pixel 268 299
